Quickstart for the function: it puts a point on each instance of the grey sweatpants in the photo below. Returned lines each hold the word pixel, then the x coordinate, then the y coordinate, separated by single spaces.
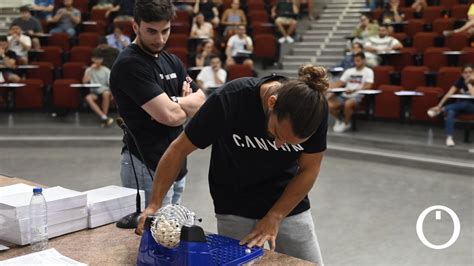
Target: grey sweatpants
pixel 296 235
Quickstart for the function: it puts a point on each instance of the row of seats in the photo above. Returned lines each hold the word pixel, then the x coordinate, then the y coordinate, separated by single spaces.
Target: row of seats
pixel 430 13
pixel 412 77
pixel 433 57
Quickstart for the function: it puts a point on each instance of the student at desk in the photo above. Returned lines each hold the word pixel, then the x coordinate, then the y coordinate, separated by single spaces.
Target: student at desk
pixel 379 44
pixel 97 73
pixel 464 85
pixel 342 106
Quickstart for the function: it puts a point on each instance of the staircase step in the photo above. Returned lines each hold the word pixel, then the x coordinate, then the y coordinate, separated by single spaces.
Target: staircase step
pixel 416 160
pixel 339 5
pixel 314 45
pixel 294 65
pixel 333 52
pixel 328 58
pixel 313 38
pixel 317 32
pixel 322 27
pixel 304 51
pixel 377 141
pixel 357 10
pixel 296 58
pixel 336 15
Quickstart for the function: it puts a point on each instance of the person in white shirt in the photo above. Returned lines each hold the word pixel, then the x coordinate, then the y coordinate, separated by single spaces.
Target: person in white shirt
pixel 353 79
pixel 212 76
pixel 19 43
pixel 380 44
pixel 237 43
pixel 201 28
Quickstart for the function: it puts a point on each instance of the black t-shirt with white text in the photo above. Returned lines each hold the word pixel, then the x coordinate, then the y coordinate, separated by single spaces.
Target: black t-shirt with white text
pixel 136 78
pixel 247 173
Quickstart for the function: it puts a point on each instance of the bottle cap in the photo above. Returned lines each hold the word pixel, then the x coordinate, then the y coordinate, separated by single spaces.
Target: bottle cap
pixel 37 190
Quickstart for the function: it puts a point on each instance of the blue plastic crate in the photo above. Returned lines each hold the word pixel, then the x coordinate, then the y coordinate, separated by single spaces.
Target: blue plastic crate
pixel 217 250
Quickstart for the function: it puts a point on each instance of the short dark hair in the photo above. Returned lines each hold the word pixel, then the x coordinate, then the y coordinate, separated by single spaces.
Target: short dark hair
pixel 97 53
pixel 468 65
pixel 24 8
pixel 153 11
pixel 15 25
pixel 361 46
pixel 302 101
pixel 212 56
pixel 11 54
pixel 361 55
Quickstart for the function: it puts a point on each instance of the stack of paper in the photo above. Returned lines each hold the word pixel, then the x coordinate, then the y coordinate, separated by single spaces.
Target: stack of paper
pixel 109 204
pixel 67 212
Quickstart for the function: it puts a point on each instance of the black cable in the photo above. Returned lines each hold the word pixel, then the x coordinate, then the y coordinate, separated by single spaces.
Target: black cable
pixel 138 199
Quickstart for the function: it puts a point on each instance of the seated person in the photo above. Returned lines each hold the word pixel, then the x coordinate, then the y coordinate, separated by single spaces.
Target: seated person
pixel 19 43
pixel 365 30
pixel 212 76
pixel 353 79
pixel 348 60
pixel 8 63
pixel 209 10
pixel 468 26
pixel 284 13
pixel 104 4
pixel 97 73
pixel 464 85
pixel 66 18
pixel 201 28
pixel 233 17
pixel 108 53
pixel 238 44
pixel 391 14
pixel 29 25
pixel 310 5
pixel 117 39
pixel 123 10
pixel 43 9
pixel 185 5
pixel 205 52
pixel 378 44
pixel 419 5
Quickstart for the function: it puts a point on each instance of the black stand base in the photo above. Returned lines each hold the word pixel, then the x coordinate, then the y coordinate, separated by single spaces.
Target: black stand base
pixel 129 222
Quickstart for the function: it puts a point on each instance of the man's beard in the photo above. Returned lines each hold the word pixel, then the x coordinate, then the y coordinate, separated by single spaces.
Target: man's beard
pixel 147 48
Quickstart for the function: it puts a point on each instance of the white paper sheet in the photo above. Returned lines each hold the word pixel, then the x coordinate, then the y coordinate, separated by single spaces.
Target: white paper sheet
pixel 45 257
pixel 15 189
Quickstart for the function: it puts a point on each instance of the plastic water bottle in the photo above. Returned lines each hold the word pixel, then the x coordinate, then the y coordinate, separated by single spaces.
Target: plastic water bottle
pixel 38 221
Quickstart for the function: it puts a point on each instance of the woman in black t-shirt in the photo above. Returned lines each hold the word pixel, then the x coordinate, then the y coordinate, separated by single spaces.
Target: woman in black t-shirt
pixel 464 85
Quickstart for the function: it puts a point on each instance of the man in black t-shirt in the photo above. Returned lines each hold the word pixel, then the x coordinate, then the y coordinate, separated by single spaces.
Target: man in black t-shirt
pixel 268 136
pixel 154 95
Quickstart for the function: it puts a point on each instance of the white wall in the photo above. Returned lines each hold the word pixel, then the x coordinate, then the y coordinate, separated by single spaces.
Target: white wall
pixel 14 3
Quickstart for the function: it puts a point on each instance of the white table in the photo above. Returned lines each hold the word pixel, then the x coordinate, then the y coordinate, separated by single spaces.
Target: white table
pixel 461 96
pixel 408 93
pixel 363 92
pixel 406 98
pixel 26 67
pixel 12 85
pixel 85 85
